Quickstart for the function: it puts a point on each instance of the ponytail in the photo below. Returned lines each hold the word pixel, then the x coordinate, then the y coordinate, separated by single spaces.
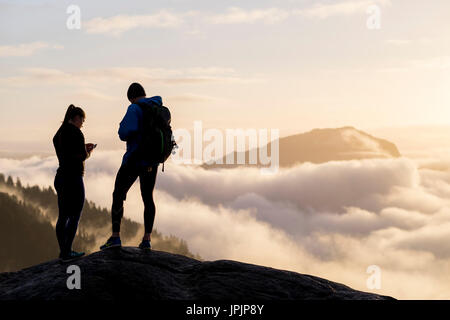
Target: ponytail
pixel 72 112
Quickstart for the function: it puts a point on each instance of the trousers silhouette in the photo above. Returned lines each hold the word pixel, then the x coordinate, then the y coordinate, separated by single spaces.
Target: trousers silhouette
pixel 70 191
pixel 125 178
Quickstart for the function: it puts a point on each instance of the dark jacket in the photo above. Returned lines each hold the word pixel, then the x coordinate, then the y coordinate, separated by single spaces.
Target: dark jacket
pixel 70 149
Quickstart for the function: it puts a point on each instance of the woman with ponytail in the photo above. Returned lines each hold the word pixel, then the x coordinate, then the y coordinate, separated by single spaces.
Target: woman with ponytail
pixel 71 151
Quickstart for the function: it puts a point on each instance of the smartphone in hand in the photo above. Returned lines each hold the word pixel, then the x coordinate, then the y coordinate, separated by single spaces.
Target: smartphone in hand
pixel 90 146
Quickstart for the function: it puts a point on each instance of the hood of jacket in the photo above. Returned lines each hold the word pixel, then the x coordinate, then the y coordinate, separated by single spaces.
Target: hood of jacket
pixel 149 101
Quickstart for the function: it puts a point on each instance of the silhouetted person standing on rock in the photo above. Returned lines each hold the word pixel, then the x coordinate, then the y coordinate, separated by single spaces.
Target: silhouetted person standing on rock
pixel 71 152
pixel 134 166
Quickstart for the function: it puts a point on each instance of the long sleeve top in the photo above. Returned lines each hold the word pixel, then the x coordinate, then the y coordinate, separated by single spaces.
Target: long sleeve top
pixel 70 149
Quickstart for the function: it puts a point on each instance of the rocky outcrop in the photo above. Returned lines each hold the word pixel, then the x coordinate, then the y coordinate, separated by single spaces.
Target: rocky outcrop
pixel 129 273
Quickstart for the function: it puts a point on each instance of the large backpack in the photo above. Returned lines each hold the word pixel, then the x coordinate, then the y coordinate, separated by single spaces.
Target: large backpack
pixel 157 140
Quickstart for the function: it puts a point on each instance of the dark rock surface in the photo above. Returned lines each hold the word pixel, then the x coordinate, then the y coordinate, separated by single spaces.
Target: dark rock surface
pixel 129 273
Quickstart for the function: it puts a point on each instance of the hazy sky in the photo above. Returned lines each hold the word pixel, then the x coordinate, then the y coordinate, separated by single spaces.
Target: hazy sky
pixel 293 65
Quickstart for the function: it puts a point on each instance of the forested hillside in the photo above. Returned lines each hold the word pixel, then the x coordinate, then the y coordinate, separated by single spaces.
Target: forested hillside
pixel 27 219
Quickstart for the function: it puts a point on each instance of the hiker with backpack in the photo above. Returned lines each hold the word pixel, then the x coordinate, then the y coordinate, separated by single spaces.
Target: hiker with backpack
pixel 147 132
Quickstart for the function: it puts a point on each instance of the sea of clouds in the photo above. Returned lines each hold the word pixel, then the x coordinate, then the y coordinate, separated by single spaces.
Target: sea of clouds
pixel 332 220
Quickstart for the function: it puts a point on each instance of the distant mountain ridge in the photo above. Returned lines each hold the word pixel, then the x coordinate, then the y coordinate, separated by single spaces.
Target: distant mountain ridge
pixel 323 145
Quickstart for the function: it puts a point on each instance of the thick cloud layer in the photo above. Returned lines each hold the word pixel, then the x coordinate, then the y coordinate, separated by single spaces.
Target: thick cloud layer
pixel 332 220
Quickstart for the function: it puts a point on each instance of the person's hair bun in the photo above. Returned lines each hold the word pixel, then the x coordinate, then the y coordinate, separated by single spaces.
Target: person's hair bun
pixel 72 112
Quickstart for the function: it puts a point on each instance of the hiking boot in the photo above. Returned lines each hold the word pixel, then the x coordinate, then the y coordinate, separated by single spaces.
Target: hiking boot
pixel 145 245
pixel 111 243
pixel 71 256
